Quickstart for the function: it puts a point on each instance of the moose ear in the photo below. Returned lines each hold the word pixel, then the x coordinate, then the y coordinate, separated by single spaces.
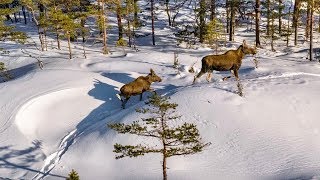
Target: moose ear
pixel 151 71
pixel 244 42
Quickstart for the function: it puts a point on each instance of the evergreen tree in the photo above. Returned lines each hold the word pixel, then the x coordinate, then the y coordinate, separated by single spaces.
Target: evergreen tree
pixel 214 33
pixel 175 140
pixel 69 28
pixel 36 7
pixel 56 17
pixel 8 32
pixel 73 175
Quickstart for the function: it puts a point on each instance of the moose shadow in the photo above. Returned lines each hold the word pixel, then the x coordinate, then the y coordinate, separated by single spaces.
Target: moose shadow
pixel 14 160
pixel 107 94
pixel 120 77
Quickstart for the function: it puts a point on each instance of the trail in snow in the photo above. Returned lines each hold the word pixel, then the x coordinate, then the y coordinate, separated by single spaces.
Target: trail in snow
pixel 52 160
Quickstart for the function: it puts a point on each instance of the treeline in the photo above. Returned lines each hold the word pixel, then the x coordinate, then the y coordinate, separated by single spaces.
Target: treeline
pixel 67 19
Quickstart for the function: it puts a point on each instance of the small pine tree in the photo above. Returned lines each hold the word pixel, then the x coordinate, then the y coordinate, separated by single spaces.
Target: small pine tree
pixel 4 72
pixel 240 89
pixel 73 175
pixel 175 140
pixel 69 27
pixel 6 31
pixel 214 33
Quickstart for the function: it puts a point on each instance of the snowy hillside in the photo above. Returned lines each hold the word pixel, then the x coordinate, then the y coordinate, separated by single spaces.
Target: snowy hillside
pixel 55 120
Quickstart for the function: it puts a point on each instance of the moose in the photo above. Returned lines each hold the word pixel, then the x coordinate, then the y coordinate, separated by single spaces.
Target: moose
pixel 229 61
pixel 138 86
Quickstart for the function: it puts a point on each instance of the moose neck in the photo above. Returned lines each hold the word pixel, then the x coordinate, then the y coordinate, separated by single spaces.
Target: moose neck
pixel 240 52
pixel 148 78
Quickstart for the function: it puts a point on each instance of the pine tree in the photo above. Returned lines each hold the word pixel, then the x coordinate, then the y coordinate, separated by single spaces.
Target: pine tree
pixel 175 140
pixel 214 33
pixel 119 18
pixel 56 17
pixel 8 32
pixel 36 8
pixel 69 27
pixel 73 175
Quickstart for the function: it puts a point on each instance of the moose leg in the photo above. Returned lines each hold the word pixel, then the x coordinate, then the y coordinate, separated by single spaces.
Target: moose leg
pixel 141 96
pixel 124 102
pixel 225 78
pixel 235 73
pixel 209 76
pixel 198 76
pixel 228 77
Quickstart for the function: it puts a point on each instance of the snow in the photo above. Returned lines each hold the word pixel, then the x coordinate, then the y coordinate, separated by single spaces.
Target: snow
pixel 54 120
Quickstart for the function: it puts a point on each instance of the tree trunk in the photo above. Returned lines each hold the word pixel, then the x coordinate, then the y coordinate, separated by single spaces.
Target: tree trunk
pixel 272 31
pixel 119 18
pixel 288 27
pixel 105 49
pixel 308 20
pixel 202 15
pixel 168 12
pixel 58 40
pixel 84 50
pixel 164 166
pixel 129 33
pixel 213 10
pixel 152 19
pixel 228 14
pixel 15 17
pixel 40 38
pixel 268 17
pixel 164 146
pixel 83 34
pixel 296 10
pixel 69 45
pixel 45 38
pixel 135 14
pixel 257 10
pixel 24 14
pixel 311 29
pixel 232 21
pixel 280 15
pixel 319 24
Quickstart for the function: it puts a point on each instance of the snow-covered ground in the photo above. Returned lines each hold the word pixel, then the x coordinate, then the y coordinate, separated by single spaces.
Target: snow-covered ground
pixel 54 120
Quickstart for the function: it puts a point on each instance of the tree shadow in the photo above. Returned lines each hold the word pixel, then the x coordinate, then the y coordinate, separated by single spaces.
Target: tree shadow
pixel 14 160
pixel 119 77
pixel 20 71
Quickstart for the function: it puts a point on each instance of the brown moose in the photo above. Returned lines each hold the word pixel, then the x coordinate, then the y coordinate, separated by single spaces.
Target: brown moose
pixel 229 61
pixel 138 86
